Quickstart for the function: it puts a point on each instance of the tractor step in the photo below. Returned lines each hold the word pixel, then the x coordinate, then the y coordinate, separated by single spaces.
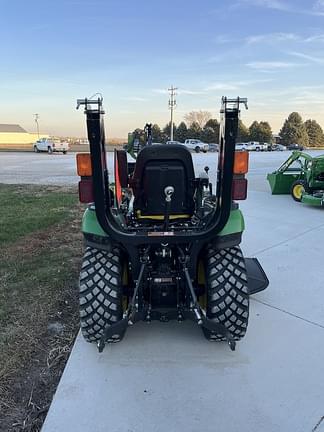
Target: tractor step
pixel 257 279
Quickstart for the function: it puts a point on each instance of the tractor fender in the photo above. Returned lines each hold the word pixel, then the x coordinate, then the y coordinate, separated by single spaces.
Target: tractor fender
pixel 96 237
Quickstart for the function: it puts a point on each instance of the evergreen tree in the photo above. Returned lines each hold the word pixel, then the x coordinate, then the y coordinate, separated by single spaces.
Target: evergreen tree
pixel 208 135
pixel 139 135
pixel 260 132
pixel 254 131
pixel 294 131
pixel 243 132
pixel 213 123
pixel 315 133
pixel 166 133
pixel 265 132
pixel 182 132
pixel 156 133
pixel 195 131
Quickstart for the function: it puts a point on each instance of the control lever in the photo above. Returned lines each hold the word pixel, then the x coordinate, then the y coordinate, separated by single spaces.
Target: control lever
pixel 168 192
pixel 210 184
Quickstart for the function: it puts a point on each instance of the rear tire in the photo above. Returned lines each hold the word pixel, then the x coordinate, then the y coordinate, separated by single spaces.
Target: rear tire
pixel 227 298
pixel 101 293
pixel 64 152
pixel 36 149
pixel 297 189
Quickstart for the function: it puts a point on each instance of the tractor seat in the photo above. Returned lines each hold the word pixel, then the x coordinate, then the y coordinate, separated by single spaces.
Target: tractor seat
pixel 158 166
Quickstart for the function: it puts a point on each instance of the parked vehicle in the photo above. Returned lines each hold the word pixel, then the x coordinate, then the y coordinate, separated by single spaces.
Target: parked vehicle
pixel 302 176
pixel 241 146
pixel 173 142
pixel 266 146
pixel 51 145
pixel 278 147
pixel 295 147
pixel 161 243
pixel 213 147
pixel 196 145
pixel 256 146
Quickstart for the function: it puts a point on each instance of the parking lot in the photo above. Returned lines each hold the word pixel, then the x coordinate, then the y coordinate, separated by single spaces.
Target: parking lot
pixel 59 169
pixel 166 376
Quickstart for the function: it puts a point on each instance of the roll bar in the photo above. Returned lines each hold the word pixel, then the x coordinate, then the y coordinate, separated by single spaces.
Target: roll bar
pixel 230 110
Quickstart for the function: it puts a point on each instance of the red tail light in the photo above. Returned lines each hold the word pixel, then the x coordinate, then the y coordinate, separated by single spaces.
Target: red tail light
pixel 239 188
pixel 86 190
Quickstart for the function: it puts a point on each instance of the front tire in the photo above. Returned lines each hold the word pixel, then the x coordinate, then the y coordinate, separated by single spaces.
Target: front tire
pixel 49 150
pixel 101 293
pixel 227 298
pixel 197 149
pixel 297 189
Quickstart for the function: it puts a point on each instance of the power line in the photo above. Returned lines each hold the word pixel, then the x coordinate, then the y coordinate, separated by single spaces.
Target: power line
pixel 36 121
pixel 172 105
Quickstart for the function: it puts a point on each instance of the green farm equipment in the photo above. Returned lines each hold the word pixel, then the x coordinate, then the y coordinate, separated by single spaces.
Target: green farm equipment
pixel 161 242
pixel 302 176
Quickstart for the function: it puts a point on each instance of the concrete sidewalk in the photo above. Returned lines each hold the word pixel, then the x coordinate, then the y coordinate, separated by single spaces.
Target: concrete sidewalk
pixel 167 377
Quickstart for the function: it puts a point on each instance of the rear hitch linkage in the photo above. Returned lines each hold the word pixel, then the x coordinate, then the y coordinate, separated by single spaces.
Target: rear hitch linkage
pixel 133 314
pixel 196 313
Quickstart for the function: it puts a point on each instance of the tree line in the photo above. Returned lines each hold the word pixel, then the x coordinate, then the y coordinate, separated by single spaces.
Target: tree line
pixel 201 125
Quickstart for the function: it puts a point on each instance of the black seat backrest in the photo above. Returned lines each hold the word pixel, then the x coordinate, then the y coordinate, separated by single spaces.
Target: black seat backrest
pixel 158 166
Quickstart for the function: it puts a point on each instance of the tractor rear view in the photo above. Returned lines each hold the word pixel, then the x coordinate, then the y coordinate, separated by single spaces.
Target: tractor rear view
pixel 161 242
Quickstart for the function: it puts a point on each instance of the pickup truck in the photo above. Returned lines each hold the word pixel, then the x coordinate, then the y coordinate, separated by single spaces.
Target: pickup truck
pixel 196 145
pixel 51 145
pixel 241 146
pixel 256 146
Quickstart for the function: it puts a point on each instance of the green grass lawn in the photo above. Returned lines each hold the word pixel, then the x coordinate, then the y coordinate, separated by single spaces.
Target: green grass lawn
pixel 26 209
pixel 41 247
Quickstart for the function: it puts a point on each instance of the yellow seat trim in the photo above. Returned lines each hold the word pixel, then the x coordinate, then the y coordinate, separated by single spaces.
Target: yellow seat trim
pixel 161 217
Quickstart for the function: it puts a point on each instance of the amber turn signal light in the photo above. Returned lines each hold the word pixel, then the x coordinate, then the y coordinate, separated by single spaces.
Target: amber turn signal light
pixel 241 162
pixel 84 166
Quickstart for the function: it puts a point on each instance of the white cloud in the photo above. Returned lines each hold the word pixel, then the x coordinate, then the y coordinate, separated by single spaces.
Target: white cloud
pixel 284 6
pixel 314 59
pixel 319 5
pixel 271 38
pixel 221 86
pixel 160 90
pixel 223 39
pixel 315 38
pixel 269 4
pixel 270 65
pixel 189 92
pixel 235 85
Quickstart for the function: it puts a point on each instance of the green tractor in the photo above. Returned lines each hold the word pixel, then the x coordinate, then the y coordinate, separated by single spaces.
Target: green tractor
pixel 302 176
pixel 162 243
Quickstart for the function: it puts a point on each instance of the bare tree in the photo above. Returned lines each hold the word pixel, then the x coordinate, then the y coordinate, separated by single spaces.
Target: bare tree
pixel 200 117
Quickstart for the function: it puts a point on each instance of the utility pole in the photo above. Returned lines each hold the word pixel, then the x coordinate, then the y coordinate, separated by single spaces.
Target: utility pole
pixel 172 105
pixel 37 125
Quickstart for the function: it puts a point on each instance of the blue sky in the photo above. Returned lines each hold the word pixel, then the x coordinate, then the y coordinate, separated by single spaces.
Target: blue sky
pixel 53 52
